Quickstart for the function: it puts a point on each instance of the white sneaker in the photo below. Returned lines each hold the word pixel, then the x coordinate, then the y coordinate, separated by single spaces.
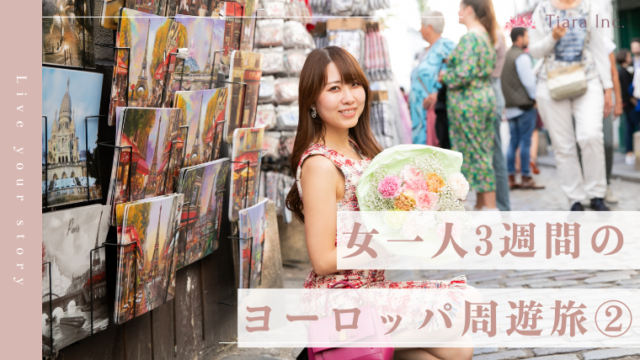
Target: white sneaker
pixel 630 159
pixel 610 197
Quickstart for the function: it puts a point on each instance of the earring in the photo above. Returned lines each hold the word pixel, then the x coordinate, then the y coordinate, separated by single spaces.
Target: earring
pixel 314 114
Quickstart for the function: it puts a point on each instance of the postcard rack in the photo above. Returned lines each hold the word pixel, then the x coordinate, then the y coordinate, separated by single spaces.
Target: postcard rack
pixel 45 200
pixel 50 337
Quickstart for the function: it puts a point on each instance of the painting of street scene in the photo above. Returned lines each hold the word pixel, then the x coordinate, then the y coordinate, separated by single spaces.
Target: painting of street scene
pixel 67 33
pixel 203 188
pixel 142 167
pixel 151 40
pixel 73 277
pixel 218 132
pixel 246 159
pixel 253 222
pixel 246 67
pixel 146 268
pixel 204 37
pixel 70 169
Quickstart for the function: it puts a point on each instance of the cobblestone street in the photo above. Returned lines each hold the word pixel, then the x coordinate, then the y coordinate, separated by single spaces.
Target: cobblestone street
pixel 551 198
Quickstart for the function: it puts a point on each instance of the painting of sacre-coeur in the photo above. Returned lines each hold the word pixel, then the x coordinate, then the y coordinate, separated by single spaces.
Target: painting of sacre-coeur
pixel 70 169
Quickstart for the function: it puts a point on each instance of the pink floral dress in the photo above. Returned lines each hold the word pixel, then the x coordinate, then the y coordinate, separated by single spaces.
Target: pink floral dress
pixel 352 171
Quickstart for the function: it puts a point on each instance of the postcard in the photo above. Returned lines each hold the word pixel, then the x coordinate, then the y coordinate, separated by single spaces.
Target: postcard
pixel 246 159
pixel 73 275
pixel 70 168
pixel 203 187
pixel 67 34
pixel 252 224
pixel 246 67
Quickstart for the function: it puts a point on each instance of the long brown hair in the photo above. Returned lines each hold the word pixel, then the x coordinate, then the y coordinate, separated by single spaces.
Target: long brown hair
pixel 486 16
pixel 312 81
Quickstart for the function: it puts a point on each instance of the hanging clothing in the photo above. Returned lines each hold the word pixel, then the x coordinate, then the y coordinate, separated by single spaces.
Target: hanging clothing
pixel 424 81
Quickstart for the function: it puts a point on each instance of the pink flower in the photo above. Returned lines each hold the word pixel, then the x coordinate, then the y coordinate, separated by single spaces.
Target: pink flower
pixel 520 21
pixel 417 185
pixel 389 187
pixel 427 201
pixel 410 173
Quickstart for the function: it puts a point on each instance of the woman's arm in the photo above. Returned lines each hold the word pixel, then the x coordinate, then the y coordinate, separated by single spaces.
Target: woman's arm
pixel 319 181
pixel 541 40
pixel 616 86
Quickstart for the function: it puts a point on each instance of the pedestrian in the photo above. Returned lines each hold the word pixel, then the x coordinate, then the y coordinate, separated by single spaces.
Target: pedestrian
pixel 471 102
pixel 607 123
pixel 635 51
pixel 334 145
pixel 424 79
pixel 585 50
pixel 519 88
pixel 629 103
pixel 499 162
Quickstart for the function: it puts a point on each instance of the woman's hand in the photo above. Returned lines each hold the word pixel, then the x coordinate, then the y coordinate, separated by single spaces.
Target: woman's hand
pixel 618 110
pixel 429 101
pixel 558 32
pixel 608 102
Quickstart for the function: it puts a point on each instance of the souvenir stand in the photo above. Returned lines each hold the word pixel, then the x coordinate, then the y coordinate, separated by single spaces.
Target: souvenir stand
pixel 150 176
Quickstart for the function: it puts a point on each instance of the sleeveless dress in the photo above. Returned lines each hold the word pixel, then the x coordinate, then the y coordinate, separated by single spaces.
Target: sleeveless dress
pixel 352 171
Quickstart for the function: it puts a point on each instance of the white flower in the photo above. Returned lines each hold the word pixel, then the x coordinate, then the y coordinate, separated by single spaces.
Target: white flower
pixel 459 185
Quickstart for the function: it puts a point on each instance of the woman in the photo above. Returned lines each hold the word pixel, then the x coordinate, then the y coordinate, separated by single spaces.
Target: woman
pixel 471 101
pixel 623 58
pixel 333 146
pixel 559 47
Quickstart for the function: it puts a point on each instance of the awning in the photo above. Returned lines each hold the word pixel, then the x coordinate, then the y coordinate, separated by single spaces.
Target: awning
pixel 159 75
pixel 209 137
pixel 164 163
pixel 126 151
pixel 142 169
pixel 241 161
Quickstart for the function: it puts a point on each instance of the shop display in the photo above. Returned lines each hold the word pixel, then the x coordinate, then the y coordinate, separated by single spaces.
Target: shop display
pixel 67 34
pixel 266 116
pixel 70 171
pixel 145 136
pixel 151 39
pixel 203 188
pixel 294 60
pixel 196 72
pixel 295 35
pixel 272 60
pixel 270 32
pixel 74 286
pixel 287 117
pixel 350 40
pixel 267 89
pixel 246 67
pixel 246 159
pixel 146 268
pixel 252 224
pixel 286 90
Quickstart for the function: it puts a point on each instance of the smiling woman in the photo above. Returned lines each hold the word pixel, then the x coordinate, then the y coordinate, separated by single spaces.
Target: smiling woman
pixel 335 144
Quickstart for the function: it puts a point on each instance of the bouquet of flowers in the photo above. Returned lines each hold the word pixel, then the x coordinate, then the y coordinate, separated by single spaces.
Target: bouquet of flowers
pixel 413 178
pixel 409 191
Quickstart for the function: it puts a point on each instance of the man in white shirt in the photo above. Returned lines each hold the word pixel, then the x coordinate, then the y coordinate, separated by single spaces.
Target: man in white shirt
pixel 519 89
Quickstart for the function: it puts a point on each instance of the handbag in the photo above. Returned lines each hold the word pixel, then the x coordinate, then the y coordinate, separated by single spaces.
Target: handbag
pixel 569 81
pixel 370 329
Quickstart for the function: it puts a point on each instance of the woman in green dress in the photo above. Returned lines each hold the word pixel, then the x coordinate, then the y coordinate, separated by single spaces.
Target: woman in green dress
pixel 471 101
